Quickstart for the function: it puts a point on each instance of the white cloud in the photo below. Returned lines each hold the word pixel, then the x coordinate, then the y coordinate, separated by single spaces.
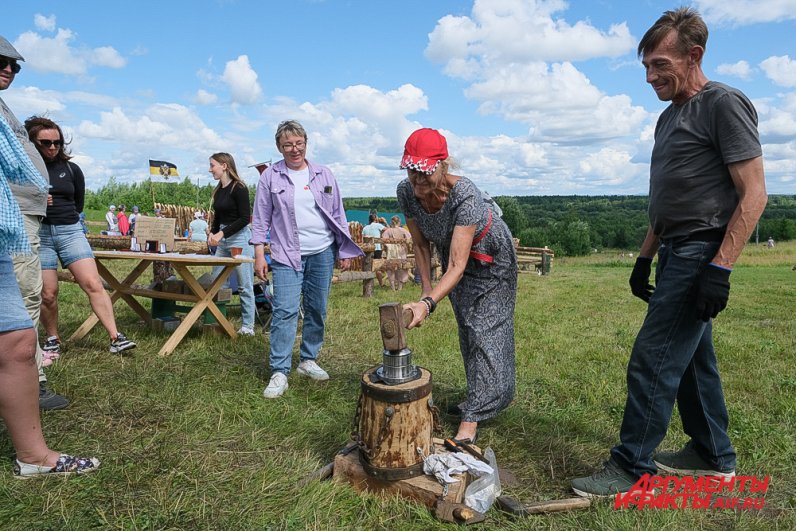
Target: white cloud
pixel 741 69
pixel 609 165
pixel 521 31
pixel 561 103
pixel 743 12
pixel 123 139
pixel 203 97
pixel 57 54
pixel 357 123
pixel 90 99
pixel 107 56
pixel 241 79
pixel 44 23
pixel 51 54
pixel 519 61
pixel 778 122
pixel 379 106
pixel 163 124
pixel 781 70
pixel 27 101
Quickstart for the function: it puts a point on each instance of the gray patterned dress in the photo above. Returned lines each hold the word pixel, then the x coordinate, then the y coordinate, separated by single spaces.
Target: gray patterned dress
pixel 483 300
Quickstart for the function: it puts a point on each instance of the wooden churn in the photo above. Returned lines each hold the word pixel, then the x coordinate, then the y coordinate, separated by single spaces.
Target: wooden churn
pixel 395 412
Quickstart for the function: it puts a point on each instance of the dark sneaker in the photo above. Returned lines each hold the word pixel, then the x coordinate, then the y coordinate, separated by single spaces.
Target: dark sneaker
pixel 52 345
pixel 687 462
pixel 50 400
pixel 611 480
pixel 50 351
pixel 121 343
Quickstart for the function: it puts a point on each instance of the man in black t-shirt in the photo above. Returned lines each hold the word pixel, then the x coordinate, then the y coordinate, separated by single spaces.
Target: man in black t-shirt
pixel 707 191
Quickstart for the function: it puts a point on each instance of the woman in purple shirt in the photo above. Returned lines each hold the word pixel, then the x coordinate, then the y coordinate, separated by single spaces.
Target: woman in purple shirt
pixel 300 203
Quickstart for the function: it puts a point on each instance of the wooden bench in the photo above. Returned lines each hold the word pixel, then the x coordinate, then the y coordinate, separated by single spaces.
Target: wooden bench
pixel 537 260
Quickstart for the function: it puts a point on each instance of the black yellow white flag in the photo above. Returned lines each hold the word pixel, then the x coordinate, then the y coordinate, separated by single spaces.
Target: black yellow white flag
pixel 162 172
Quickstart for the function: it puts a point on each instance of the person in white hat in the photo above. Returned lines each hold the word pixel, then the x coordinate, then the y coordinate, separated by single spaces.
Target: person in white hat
pixel 112 220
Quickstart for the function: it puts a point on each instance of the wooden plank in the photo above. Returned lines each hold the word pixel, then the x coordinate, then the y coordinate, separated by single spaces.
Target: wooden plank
pixel 92 320
pixel 554 506
pixel 205 301
pixel 122 289
pixel 367 265
pixel 393 264
pixel 423 489
pixel 190 259
pixel 536 250
pixel 351 276
pixel 163 295
pixel 122 243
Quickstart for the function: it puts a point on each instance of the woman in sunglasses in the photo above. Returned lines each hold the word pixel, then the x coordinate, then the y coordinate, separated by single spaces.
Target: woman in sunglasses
pixel 62 239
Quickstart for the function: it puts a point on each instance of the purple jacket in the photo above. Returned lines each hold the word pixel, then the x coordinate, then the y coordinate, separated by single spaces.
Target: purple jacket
pixel 274 210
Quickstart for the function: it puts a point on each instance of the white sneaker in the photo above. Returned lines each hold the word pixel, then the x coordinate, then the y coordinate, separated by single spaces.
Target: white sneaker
pixel 311 369
pixel 245 331
pixel 277 386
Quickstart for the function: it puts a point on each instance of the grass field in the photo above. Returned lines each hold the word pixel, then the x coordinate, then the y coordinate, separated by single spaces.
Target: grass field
pixel 188 442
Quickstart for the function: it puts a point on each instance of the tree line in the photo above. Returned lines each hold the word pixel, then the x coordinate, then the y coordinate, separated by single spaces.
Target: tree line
pixel 570 225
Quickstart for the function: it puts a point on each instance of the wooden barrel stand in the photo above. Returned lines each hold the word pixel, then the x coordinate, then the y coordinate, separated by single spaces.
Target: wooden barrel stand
pixel 394 421
pixel 387 460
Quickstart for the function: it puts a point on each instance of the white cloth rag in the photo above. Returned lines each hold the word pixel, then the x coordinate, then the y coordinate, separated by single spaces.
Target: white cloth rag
pixel 444 466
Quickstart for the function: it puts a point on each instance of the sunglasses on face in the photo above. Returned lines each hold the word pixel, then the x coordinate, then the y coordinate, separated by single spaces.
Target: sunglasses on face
pixel 51 143
pixel 15 67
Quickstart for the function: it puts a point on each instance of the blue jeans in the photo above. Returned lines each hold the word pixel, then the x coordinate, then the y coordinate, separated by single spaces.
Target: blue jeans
pixel 244 272
pixel 673 359
pixel 313 282
pixel 66 243
pixel 15 316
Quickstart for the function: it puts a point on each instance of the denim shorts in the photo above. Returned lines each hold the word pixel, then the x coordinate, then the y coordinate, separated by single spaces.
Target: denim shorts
pixel 66 243
pixel 15 316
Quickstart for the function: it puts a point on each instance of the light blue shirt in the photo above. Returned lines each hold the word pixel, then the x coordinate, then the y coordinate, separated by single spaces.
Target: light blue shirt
pixel 373 230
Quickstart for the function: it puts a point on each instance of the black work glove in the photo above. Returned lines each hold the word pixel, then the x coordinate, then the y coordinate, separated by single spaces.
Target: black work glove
pixel 640 279
pixel 712 291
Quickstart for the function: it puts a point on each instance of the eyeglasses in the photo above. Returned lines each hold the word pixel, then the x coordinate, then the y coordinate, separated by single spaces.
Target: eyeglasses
pixel 51 143
pixel 298 145
pixel 15 67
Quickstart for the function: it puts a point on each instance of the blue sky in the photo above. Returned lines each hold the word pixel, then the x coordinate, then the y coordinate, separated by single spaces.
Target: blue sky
pixel 535 97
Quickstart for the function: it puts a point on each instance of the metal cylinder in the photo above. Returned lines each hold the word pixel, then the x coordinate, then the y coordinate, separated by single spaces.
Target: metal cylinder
pixel 397 367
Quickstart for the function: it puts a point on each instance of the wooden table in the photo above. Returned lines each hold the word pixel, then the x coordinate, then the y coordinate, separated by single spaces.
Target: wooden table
pixel 201 298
